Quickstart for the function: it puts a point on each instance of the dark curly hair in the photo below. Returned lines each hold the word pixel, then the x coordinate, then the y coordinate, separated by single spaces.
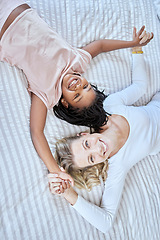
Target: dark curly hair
pixel 93 116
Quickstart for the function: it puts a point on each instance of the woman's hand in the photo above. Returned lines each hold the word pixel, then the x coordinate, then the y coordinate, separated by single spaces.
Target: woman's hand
pixel 59 182
pixel 57 185
pixel 141 38
pixel 62 188
pixel 69 194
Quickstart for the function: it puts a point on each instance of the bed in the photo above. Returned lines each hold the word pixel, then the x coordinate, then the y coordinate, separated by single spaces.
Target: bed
pixel 27 209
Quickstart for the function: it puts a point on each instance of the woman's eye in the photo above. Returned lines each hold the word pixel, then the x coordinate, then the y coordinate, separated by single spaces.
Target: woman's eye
pixel 86 144
pixel 85 86
pixel 92 160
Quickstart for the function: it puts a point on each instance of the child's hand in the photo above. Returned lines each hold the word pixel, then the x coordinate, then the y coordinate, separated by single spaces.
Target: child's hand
pixel 57 185
pixel 59 182
pixel 62 188
pixel 141 38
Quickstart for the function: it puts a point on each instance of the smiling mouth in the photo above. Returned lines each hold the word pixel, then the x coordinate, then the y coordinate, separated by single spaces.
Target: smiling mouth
pixel 105 146
pixel 72 83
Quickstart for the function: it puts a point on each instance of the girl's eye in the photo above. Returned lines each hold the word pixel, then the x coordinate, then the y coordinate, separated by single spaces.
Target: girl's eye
pixel 86 144
pixel 85 86
pixel 92 160
pixel 77 95
pixel 78 74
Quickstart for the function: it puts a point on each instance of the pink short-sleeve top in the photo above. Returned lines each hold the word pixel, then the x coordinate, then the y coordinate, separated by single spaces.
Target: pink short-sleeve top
pixel 45 57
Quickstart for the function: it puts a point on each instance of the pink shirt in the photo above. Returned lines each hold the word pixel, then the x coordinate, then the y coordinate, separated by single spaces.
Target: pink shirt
pixel 31 45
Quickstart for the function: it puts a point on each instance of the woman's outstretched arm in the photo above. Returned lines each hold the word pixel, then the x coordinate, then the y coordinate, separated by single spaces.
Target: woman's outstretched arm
pixel 131 94
pixel 102 217
pixel 137 89
pixel 106 45
pixel 38 115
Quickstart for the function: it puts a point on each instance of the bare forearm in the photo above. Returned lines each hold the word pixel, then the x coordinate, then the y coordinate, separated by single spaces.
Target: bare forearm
pixel 70 195
pixel 106 45
pixel 110 45
pixel 37 123
pixel 43 150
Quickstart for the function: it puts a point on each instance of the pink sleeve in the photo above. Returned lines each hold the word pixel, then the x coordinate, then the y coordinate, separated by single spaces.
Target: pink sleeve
pixel 84 59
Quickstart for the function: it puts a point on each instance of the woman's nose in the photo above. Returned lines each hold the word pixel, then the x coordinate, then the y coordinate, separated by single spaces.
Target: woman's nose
pixel 97 148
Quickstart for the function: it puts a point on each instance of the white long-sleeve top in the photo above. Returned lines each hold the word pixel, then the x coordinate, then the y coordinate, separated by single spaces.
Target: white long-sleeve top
pixel 143 140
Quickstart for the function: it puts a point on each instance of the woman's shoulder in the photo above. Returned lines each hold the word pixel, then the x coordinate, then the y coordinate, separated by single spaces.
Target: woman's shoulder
pixel 112 103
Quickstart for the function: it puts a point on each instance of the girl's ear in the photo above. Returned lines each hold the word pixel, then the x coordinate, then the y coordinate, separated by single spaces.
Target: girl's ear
pixel 62 169
pixel 64 103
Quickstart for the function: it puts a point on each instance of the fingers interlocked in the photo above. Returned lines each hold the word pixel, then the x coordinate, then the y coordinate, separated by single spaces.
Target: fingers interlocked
pixel 57 185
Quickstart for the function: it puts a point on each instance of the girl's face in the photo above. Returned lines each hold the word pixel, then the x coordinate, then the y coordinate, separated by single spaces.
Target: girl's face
pixel 91 149
pixel 77 91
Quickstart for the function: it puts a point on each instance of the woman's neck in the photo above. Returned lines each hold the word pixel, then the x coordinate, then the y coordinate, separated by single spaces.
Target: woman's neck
pixel 117 129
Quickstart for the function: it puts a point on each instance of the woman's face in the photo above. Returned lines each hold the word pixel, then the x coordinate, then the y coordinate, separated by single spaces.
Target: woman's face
pixel 91 149
pixel 77 91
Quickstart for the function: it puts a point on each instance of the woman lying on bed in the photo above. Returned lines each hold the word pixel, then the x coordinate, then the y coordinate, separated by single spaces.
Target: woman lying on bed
pixel 131 134
pixel 53 69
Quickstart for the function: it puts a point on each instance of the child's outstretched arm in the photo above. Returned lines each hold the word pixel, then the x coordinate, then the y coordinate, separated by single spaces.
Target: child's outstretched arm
pixel 38 115
pixel 106 45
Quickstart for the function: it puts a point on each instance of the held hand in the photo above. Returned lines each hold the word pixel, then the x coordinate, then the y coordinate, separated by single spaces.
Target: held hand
pixel 59 182
pixel 69 194
pixel 62 188
pixel 141 38
pixel 57 186
pixel 54 189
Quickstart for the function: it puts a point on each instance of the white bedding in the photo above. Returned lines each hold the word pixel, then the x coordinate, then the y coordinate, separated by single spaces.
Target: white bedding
pixel 27 209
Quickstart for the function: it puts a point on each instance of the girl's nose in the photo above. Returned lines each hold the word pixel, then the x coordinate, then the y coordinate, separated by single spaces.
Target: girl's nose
pixel 78 86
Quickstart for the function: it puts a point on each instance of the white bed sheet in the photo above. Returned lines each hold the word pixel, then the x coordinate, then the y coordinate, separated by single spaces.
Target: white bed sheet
pixel 27 209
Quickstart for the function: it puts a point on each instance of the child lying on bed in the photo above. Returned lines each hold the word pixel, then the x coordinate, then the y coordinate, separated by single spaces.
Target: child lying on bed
pixel 131 134
pixel 53 69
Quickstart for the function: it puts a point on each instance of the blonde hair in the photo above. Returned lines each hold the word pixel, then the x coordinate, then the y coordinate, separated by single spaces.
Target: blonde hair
pixel 87 177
